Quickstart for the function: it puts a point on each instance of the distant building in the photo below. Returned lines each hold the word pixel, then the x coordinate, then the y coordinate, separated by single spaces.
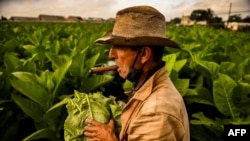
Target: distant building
pixel 56 18
pixel 23 19
pixel 201 22
pixel 74 19
pixel 111 20
pixel 99 20
pixel 95 20
pixel 237 26
pixel 186 21
pixel 51 18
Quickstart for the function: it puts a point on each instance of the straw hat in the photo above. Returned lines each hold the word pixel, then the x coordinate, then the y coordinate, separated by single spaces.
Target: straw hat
pixel 136 26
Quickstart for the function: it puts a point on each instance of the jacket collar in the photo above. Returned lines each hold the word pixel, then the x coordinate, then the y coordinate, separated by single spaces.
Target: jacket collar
pixel 146 89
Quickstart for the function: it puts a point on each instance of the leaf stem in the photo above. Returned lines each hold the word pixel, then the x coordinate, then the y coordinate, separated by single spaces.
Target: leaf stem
pixel 90 110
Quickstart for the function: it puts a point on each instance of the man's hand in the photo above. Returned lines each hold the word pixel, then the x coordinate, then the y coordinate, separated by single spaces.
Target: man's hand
pixel 100 132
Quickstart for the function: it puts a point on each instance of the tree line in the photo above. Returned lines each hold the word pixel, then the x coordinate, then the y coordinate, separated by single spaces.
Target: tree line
pixel 209 16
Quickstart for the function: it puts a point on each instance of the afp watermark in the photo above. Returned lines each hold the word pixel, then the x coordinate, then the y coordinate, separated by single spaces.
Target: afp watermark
pixel 241 132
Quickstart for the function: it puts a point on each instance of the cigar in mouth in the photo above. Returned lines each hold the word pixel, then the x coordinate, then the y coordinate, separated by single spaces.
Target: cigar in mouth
pixel 103 69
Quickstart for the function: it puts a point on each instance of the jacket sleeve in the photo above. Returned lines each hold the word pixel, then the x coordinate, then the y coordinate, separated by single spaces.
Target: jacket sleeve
pixel 156 127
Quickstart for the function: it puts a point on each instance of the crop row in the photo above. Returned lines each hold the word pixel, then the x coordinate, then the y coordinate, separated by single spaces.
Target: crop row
pixel 42 63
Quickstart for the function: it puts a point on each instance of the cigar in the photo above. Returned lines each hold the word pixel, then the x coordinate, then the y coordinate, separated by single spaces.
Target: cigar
pixel 103 69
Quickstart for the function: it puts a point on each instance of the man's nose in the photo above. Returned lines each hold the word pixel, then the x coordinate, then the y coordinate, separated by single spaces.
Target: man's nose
pixel 112 53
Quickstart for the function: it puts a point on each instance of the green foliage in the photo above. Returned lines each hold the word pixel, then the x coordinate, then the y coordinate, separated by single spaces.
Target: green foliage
pixel 174 66
pixel 223 90
pixel 218 69
pixel 42 64
pixel 94 106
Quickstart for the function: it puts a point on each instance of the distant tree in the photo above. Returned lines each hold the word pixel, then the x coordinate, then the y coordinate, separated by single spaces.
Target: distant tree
pixel 199 15
pixel 210 14
pixel 3 18
pixel 234 18
pixel 176 20
pixel 205 15
pixel 246 19
pixel 216 20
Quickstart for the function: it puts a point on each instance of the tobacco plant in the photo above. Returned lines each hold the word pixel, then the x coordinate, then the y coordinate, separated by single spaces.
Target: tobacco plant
pixel 218 67
pixel 43 63
pixel 40 67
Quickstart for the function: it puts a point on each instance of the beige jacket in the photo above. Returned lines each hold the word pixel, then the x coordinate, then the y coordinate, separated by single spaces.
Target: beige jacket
pixel 156 112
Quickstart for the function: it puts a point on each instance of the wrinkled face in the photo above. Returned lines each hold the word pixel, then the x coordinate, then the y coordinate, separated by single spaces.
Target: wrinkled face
pixel 124 57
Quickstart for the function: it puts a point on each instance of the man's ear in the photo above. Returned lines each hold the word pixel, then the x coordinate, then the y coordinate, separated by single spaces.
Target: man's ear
pixel 146 53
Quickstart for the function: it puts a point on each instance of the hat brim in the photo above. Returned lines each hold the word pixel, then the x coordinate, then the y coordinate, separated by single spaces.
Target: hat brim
pixel 136 41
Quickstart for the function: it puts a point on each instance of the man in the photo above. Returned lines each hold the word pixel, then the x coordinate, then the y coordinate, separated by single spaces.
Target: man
pixel 155 110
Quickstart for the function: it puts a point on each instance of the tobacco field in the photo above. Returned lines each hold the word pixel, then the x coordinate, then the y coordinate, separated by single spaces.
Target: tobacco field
pixel 43 64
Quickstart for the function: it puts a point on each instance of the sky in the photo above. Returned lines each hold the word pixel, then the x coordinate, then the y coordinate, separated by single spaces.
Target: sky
pixel 108 8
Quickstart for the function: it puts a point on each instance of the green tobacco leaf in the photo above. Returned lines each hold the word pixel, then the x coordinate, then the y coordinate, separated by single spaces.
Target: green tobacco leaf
pixel 242 99
pixel 95 81
pixel 182 85
pixel 10 45
pixel 179 64
pixel 45 133
pixel 170 59
pixel 55 116
pixel 196 99
pixel 222 92
pixel 228 67
pixel 191 47
pixel 201 119
pixel 94 106
pixel 57 60
pixel 32 39
pixel 200 95
pixel 11 62
pixel 127 85
pixel 32 109
pixel 29 48
pixel 98 110
pixel 81 107
pixel 244 87
pixel 214 126
pixel 44 80
pixel 239 120
pixel 59 104
pixel 59 74
pixel 30 65
pixel 32 90
pixel 237 59
pixel 87 65
pixel 90 63
pixel 246 77
pixel 116 109
pixel 50 114
pixel 25 76
pixel 57 47
pixel 78 65
pixel 208 69
pixel 244 67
